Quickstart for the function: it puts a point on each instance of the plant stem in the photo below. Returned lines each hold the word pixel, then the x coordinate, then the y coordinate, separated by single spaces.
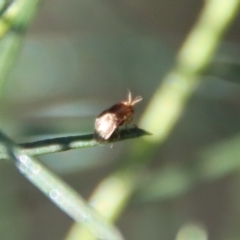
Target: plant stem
pixel 166 106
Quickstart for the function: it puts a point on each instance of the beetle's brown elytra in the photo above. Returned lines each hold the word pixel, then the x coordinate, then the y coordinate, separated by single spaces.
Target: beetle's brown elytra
pixel 117 115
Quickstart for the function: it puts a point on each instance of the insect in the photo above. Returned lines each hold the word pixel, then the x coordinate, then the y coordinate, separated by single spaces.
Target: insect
pixel 119 114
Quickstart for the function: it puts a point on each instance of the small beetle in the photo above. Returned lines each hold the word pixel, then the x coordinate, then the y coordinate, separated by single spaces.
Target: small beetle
pixel 119 114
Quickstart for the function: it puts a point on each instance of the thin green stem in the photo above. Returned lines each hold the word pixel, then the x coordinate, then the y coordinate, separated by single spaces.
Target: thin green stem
pixel 18 15
pixel 59 144
pixel 167 104
pixel 59 193
pixel 13 22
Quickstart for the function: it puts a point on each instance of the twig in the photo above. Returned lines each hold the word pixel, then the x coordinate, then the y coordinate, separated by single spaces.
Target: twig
pixel 58 192
pixel 72 142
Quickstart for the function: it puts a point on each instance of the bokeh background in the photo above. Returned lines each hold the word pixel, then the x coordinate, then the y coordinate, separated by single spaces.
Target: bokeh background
pixel 80 57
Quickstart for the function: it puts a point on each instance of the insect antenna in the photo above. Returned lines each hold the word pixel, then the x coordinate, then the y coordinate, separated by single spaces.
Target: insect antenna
pixel 129 97
pixel 136 100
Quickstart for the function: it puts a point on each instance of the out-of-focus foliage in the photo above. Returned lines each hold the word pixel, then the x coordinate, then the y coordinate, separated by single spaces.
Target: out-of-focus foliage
pixel 80 57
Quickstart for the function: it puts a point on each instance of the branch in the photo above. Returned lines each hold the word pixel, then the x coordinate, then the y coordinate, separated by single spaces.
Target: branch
pixel 62 195
pixel 72 142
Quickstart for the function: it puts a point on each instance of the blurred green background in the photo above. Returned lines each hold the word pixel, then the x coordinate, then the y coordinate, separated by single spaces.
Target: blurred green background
pixel 80 57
